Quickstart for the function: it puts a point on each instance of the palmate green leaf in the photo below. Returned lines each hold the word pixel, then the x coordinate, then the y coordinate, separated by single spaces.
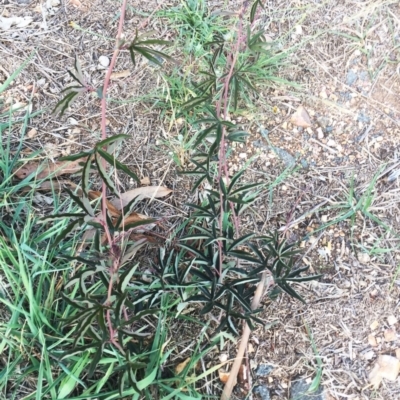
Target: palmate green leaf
pixel 115 163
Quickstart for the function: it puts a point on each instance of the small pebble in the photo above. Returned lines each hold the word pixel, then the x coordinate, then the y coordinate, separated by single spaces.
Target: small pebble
pixel 104 61
pixel 320 133
pixel 331 143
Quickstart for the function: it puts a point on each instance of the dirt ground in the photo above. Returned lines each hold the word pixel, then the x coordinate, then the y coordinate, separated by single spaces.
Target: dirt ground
pixel 342 204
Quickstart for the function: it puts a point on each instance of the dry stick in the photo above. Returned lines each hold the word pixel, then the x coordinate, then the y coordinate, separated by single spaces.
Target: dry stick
pixel 226 394
pixel 115 262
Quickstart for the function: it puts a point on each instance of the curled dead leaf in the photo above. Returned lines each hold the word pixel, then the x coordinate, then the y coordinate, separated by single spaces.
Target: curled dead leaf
pixel 143 192
pixel 181 366
pixel 120 75
pixel 224 376
pixel 47 171
pixel 301 118
pixel 387 367
pixel 145 181
pixel 51 185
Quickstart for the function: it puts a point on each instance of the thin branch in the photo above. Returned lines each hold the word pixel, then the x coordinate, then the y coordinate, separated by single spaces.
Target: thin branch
pixel 266 280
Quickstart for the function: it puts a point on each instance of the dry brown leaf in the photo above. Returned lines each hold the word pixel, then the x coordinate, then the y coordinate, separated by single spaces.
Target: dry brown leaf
pixel 387 367
pixel 372 340
pixel 301 118
pixel 31 133
pixel 51 185
pixel 54 169
pixel 120 75
pixel 390 335
pixel 181 366
pixel 145 181
pixel 135 217
pixel 76 3
pixel 243 377
pixel 374 325
pixel 223 376
pixel 94 194
pixel 144 192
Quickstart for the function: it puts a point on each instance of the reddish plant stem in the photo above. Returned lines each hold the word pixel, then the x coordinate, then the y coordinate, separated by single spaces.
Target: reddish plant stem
pixel 222 166
pixel 114 267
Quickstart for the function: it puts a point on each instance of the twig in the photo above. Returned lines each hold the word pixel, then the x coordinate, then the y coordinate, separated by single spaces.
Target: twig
pixel 115 261
pixel 226 394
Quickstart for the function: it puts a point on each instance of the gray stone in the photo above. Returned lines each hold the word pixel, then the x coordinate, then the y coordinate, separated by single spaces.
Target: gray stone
pixel 351 77
pixel 323 122
pixel 264 370
pixel 287 158
pixel 363 75
pixel 263 392
pixel 364 118
pixel 299 389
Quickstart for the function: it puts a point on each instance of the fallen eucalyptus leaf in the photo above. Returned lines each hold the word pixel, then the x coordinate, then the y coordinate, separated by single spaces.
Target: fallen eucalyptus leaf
pixel 143 192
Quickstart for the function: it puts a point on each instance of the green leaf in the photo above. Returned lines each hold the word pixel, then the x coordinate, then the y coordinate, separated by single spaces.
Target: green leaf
pixel 241 240
pixel 194 102
pixel 62 216
pixel 103 174
pixel 77 156
pixel 78 201
pixel 111 139
pixel 85 175
pixel 304 278
pixel 115 163
pixel 63 234
pixel 243 255
pixel 126 277
pixel 8 81
pixel 95 361
pixel 132 225
pixel 237 136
